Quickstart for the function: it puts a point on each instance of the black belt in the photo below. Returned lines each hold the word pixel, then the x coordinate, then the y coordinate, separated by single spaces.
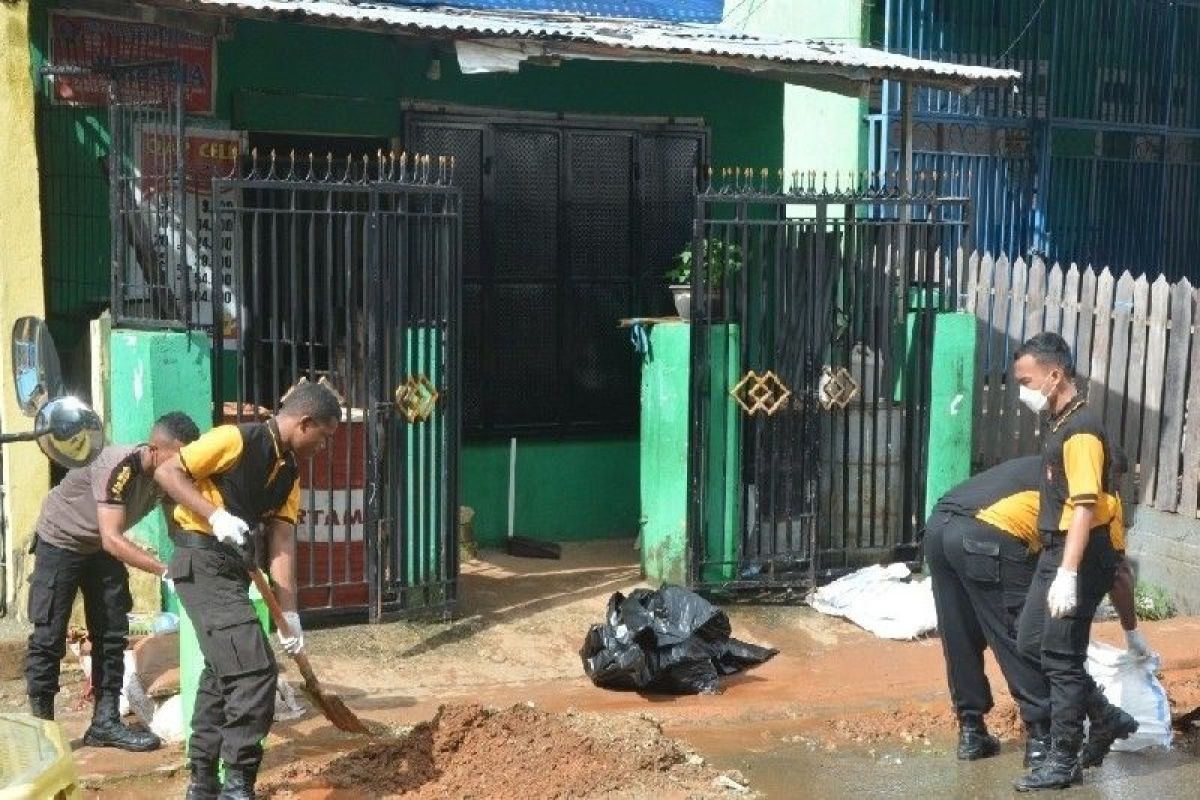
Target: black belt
pixel 199 541
pixel 1057 538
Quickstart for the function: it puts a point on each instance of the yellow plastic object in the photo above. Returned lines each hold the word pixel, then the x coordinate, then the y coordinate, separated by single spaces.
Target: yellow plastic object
pixel 35 760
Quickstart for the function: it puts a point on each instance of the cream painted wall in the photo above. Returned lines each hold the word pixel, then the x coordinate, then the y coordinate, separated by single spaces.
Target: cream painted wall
pixel 26 471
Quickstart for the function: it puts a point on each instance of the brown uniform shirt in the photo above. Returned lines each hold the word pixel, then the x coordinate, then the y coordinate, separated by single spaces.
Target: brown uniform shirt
pixel 69 517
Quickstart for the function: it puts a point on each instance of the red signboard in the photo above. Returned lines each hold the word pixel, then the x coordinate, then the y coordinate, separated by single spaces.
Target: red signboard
pixel 206 155
pixel 150 60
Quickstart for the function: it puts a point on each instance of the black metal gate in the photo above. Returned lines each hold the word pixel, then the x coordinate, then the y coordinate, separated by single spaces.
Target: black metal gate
pixel 812 320
pixel 349 271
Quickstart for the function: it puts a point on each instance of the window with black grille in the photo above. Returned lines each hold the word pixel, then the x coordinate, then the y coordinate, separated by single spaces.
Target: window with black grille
pixel 568 227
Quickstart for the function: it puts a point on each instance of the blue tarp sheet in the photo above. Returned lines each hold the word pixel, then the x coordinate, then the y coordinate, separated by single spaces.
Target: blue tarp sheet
pixel 670 10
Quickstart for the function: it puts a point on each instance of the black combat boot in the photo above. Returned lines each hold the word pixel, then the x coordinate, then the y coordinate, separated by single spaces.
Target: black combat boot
pixel 107 730
pixel 42 706
pixel 1037 744
pixel 1058 771
pixel 204 785
pixel 1107 724
pixel 239 783
pixel 974 741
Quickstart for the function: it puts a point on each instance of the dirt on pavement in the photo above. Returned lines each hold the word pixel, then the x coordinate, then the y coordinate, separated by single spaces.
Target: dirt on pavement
pixel 521 751
pixel 515 639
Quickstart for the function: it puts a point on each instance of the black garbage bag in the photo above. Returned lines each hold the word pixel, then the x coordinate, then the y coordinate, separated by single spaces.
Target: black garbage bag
pixel 669 640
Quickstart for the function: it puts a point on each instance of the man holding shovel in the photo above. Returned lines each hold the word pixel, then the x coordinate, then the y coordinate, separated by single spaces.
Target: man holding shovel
pixel 230 479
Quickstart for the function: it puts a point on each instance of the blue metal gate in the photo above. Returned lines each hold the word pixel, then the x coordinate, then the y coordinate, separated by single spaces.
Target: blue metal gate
pixel 1095 158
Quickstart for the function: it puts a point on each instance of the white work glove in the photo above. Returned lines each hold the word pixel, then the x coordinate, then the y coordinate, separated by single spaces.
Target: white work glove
pixel 1062 597
pixel 293 645
pixel 228 528
pixel 166 580
pixel 1137 644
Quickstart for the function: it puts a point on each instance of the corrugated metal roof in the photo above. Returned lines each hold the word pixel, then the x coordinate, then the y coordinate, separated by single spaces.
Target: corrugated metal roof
pixel 673 10
pixel 798 61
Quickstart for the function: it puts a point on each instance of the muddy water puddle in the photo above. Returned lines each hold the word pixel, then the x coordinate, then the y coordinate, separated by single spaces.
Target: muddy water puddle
pixel 804 769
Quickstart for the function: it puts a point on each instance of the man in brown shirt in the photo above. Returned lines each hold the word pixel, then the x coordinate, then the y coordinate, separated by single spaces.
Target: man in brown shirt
pixel 80 544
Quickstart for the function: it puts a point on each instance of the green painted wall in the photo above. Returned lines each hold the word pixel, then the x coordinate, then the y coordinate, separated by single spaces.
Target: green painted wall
pixel 364 76
pixel 822 131
pixel 155 372
pixel 565 490
pixel 952 404
pixel 664 454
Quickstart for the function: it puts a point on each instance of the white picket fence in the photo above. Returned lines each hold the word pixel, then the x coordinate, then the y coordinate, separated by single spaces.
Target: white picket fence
pixel 1135 345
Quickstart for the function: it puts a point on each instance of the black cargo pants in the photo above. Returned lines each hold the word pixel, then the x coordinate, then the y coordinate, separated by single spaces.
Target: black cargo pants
pixel 57 575
pixel 980 578
pixel 235 701
pixel 1061 643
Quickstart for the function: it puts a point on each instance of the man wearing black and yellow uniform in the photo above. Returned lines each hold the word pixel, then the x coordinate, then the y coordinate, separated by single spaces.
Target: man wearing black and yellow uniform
pixel 981 543
pixel 1077 563
pixel 230 479
pixel 80 545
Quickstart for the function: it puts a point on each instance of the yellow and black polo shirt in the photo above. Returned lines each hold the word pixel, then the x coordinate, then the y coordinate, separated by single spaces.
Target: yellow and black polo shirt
pixel 243 469
pixel 1077 468
pixel 1005 497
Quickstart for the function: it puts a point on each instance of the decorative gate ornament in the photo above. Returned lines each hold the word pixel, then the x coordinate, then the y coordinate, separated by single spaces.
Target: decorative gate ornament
pixel 765 392
pixel 837 388
pixel 416 398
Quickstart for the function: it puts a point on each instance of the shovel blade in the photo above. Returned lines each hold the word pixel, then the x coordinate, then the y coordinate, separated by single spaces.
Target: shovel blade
pixel 336 711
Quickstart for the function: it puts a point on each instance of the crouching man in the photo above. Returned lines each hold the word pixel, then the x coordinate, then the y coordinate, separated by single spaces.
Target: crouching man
pixel 80 544
pixel 981 544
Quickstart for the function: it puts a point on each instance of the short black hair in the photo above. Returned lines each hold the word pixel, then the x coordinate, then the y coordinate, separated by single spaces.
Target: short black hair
pixel 1050 350
pixel 308 399
pixel 179 426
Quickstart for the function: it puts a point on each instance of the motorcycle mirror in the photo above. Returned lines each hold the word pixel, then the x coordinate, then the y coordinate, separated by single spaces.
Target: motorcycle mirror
pixel 69 432
pixel 36 372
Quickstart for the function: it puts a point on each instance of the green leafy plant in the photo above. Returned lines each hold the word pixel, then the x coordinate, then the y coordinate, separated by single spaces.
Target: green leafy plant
pixel 1150 602
pixel 722 259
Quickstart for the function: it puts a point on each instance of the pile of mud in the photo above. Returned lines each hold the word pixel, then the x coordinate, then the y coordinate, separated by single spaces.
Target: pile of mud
pixel 468 751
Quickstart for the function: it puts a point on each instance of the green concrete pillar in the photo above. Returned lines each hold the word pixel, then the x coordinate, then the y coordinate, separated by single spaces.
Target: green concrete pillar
pixel 726 515
pixel 951 405
pixel 152 373
pixel 904 338
pixel 664 454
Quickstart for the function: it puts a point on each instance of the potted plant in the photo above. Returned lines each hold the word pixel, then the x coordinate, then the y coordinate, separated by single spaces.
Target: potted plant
pixel 721 259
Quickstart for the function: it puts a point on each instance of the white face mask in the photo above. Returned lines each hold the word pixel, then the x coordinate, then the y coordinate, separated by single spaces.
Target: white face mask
pixel 1034 399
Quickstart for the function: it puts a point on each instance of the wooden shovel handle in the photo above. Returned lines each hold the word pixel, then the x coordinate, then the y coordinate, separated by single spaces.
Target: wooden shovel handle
pixel 268 595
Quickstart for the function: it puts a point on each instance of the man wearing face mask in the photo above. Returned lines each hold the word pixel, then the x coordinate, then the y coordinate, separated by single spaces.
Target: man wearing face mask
pixel 80 545
pixel 1077 564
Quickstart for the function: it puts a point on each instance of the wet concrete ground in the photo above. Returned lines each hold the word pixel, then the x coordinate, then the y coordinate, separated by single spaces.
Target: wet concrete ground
pixel 795 771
